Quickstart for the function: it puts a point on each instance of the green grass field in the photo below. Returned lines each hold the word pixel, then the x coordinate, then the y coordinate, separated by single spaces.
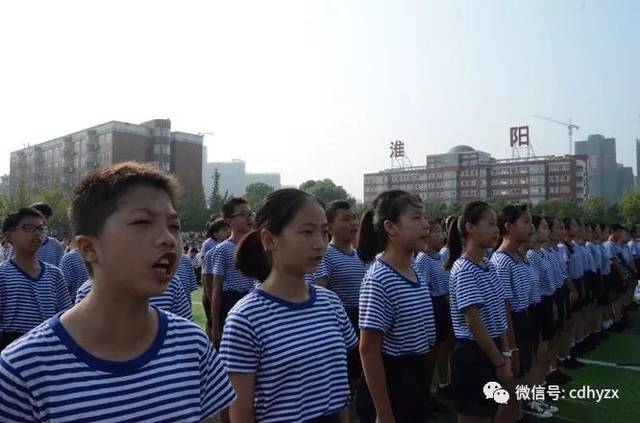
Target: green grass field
pixel 619 348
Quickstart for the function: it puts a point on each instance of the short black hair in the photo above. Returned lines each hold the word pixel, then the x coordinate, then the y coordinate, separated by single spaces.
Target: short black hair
pixel 334 206
pixel 97 196
pixel 14 218
pixel 216 225
pixel 230 206
pixel 43 208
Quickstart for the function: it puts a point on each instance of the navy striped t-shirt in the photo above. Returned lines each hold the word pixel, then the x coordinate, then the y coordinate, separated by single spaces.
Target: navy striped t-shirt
pixel 297 352
pixel 74 271
pixel 221 262
pixel 474 285
pixel 542 262
pixel 431 267
pixel 595 256
pixel 574 260
pixel 534 279
pixel 174 299
pixel 47 376
pixel 605 260
pixel 345 272
pixel 515 277
pixel 187 274
pixel 25 301
pixel 399 308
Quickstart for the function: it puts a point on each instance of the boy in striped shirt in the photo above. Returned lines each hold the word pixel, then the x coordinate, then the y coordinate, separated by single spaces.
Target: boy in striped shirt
pixel 123 360
pixel 224 284
pixel 31 290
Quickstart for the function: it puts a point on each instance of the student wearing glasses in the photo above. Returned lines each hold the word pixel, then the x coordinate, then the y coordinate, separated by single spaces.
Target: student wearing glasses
pixel 31 291
pixel 50 251
pixel 224 284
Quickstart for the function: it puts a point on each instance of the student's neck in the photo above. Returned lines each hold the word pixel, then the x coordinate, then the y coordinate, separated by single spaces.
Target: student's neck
pixel 398 257
pixel 342 245
pixel 112 325
pixel 509 246
pixel 474 252
pixel 286 285
pixel 432 251
pixel 236 236
pixel 27 262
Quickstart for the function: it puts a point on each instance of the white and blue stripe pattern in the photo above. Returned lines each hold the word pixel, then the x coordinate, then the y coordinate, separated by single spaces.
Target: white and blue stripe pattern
pixel 473 285
pixel 515 277
pixel 221 262
pixel 174 299
pixel 575 262
pixel 345 272
pixel 534 279
pixel 594 250
pixel 587 258
pixel 208 245
pixel 47 376
pixel 444 255
pixel 432 269
pixel 74 271
pixel 542 262
pixel 297 352
pixel 187 274
pixel 558 265
pixel 25 301
pixel 399 308
pixel 605 260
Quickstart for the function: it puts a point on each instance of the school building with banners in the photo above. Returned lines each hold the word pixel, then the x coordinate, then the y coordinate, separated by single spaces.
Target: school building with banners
pixel 464 173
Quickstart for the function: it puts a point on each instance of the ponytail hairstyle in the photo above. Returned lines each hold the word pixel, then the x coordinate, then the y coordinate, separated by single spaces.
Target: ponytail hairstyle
pixel 277 210
pixel 389 205
pixel 472 212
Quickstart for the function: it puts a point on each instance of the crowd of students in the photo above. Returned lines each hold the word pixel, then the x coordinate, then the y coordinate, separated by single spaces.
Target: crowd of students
pixel 313 312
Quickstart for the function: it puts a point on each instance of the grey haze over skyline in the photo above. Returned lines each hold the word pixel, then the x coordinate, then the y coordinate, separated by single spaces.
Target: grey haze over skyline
pixel 316 89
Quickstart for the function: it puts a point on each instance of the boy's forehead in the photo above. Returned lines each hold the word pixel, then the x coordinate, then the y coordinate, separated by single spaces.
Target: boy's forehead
pixel 31 219
pixel 145 198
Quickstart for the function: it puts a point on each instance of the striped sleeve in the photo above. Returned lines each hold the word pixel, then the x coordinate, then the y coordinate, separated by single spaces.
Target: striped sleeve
pixel 216 392
pixel 181 304
pixel 504 272
pixel 323 270
pixel 63 298
pixel 376 311
pixel 16 401
pixel 207 263
pixel 348 332
pixel 239 347
pixel 219 265
pixel 466 290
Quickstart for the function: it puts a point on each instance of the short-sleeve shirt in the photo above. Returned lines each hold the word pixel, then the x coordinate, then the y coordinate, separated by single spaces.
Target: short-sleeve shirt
pixel 297 352
pixel 47 376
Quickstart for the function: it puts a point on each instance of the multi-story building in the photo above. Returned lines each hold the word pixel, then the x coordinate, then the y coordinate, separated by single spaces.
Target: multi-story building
pixel 606 179
pixel 234 177
pixel 464 174
pixel 66 160
pixel 637 162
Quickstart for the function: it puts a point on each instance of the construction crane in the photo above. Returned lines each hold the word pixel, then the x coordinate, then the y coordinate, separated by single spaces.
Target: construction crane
pixel 570 127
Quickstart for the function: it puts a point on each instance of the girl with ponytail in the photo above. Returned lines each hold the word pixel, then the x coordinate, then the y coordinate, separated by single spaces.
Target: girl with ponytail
pixel 285 343
pixel 479 317
pixel 396 316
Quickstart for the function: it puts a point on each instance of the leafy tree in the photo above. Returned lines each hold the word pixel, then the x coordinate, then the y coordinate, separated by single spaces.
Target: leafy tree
pixel 595 210
pixel 59 222
pixel 255 193
pixel 193 213
pixel 326 191
pixel 216 201
pixel 630 208
pixel 435 210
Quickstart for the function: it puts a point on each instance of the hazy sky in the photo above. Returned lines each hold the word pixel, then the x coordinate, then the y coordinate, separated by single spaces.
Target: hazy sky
pixel 317 89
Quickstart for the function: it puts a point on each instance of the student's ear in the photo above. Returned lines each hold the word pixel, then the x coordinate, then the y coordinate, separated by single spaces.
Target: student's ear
pixel 390 228
pixel 269 242
pixel 86 248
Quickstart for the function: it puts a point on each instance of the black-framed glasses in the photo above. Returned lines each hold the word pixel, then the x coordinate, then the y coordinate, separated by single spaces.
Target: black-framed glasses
pixel 244 214
pixel 32 229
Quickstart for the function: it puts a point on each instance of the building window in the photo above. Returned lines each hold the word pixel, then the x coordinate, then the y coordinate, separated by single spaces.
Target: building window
pixel 161 149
